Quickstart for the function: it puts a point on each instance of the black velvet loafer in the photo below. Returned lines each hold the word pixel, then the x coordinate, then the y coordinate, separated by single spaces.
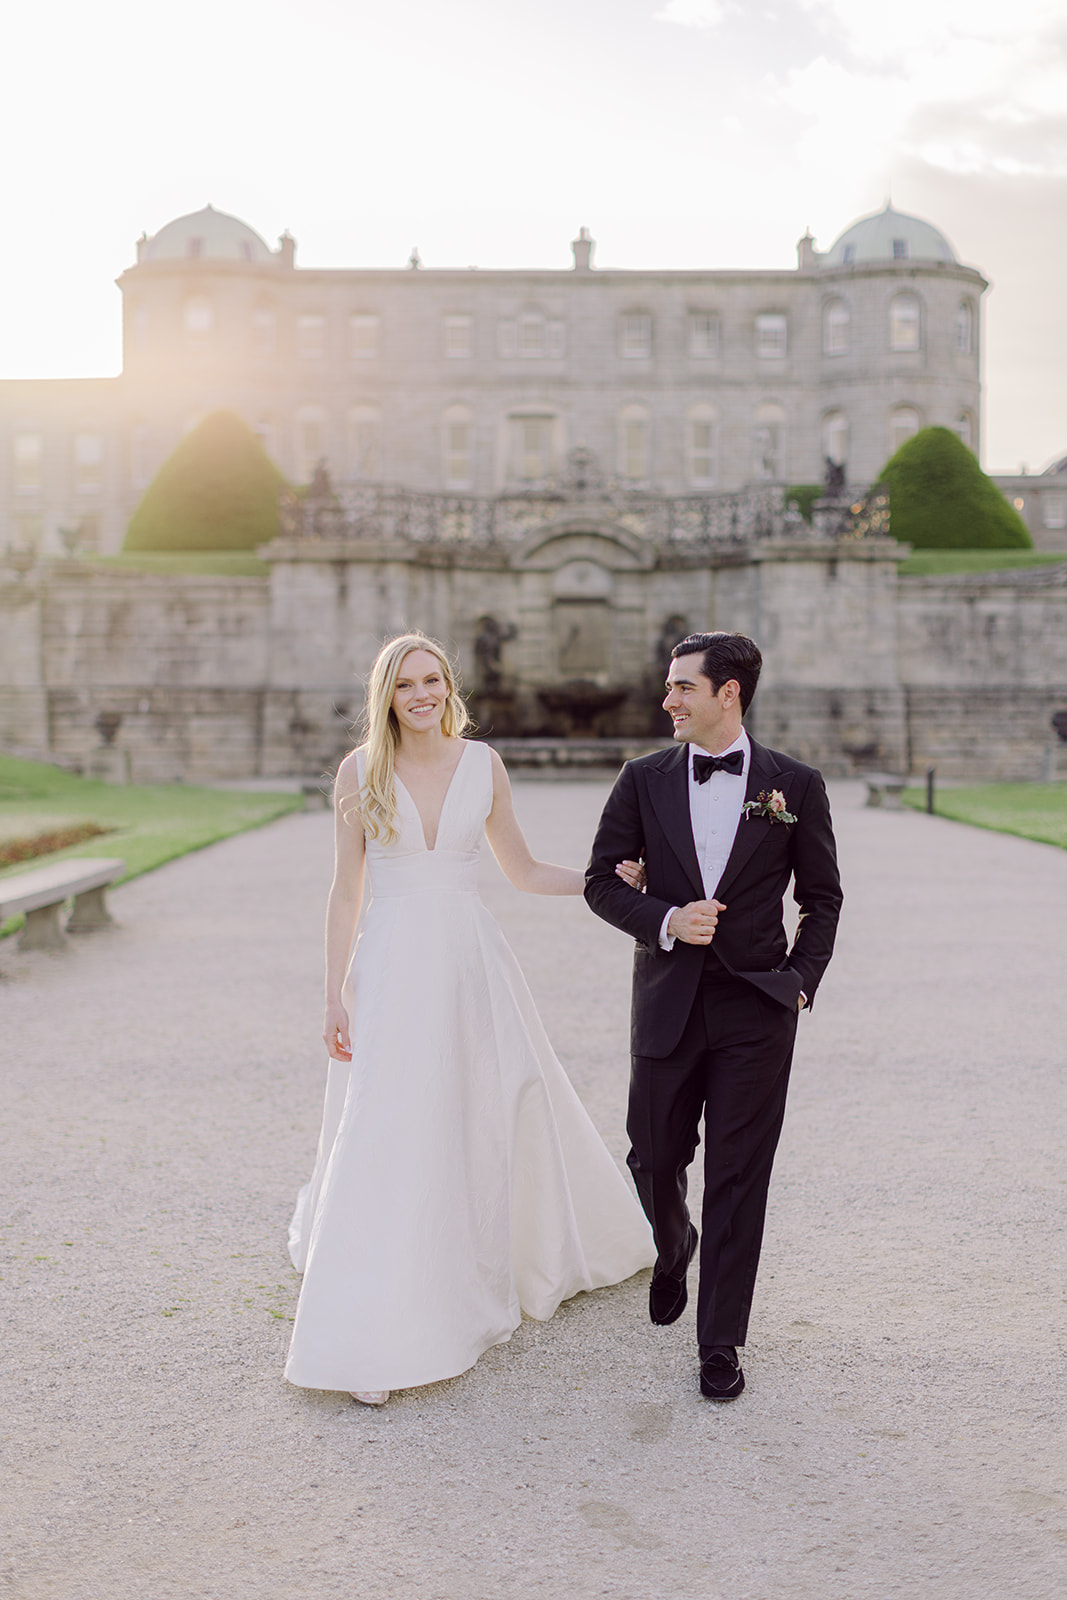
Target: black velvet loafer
pixel 667 1295
pixel 721 1377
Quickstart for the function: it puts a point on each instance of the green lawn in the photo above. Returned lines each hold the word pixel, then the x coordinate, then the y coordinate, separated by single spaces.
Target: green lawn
pixel 937 563
pixel 1031 810
pixel 149 824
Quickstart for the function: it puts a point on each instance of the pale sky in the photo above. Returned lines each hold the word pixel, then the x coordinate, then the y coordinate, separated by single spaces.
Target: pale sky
pixel 683 133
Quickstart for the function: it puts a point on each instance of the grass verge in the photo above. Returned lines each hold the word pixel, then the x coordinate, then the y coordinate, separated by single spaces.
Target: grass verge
pixel 1030 810
pixel 146 824
pixel 941 563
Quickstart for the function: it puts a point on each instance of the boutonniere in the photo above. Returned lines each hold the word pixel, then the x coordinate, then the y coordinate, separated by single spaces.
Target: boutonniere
pixel 771 806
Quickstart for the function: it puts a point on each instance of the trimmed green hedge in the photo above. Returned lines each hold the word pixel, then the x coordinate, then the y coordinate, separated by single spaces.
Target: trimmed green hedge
pixel 940 499
pixel 218 491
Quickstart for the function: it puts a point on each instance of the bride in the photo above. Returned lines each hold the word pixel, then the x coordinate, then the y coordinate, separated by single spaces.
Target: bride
pixel 459 1180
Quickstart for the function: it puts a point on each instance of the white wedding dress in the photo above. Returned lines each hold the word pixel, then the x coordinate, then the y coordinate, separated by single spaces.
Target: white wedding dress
pixel 458 1176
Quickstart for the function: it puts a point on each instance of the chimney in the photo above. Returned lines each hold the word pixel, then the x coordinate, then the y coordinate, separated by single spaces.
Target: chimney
pixel 806 253
pixel 583 248
pixel 286 251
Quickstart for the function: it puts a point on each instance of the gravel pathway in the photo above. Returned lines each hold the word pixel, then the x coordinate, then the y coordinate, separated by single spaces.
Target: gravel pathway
pixel 902 1433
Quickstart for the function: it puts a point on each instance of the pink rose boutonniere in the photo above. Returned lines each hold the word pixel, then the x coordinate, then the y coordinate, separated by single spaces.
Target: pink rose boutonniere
pixel 771 806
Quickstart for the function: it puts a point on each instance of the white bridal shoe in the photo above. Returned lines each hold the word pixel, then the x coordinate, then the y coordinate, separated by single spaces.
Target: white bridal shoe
pixel 370 1397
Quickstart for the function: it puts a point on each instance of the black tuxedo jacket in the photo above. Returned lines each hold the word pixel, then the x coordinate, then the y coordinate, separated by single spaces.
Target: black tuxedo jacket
pixel 647 814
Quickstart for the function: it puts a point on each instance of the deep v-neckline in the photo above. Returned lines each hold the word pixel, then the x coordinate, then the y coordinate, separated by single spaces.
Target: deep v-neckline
pixel 431 849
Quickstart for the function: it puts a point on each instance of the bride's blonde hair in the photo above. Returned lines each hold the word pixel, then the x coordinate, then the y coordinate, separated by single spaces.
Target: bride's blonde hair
pixel 376 802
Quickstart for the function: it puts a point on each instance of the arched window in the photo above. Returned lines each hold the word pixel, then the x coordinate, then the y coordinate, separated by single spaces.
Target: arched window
pixel 635 441
pixel 904 423
pixel 964 328
pixel 198 319
pixel 365 444
pixel 310 441
pixel 965 428
pixel 905 322
pixel 835 321
pixel 702 446
pixel 835 437
pixel 768 442
pixel 88 463
pixel 457 447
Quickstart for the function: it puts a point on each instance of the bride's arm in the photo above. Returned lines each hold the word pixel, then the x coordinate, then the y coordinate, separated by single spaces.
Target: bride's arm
pixel 508 844
pixel 342 908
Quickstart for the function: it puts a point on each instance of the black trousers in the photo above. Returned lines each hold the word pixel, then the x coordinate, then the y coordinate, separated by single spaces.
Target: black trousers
pixel 731 1065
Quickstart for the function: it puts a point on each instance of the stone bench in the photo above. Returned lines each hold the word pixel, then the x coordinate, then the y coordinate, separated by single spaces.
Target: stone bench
pixel 885 789
pixel 43 892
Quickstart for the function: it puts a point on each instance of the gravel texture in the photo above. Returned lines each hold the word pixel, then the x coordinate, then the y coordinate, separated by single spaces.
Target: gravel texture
pixel 902 1433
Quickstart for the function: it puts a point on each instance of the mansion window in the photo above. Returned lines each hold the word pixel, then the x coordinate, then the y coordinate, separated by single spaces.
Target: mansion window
pixel 310 336
pixel 531 448
pixel 635 336
pixel 457 452
pixel 900 250
pixel 264 330
pixel 835 328
pixel 365 444
pixel 635 436
pixel 964 328
pixel 530 337
pixel 772 336
pixel 457 337
pixel 310 441
pixel 904 423
pixel 703 335
pixel 768 442
pixel 27 451
pixel 904 323
pixel 198 320
pixel 702 447
pixel 364 336
pixel 1054 510
pixel 88 463
pixel 835 437
pixel 965 428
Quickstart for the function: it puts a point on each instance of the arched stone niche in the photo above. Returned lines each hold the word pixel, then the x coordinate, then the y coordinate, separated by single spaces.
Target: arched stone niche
pixel 581 566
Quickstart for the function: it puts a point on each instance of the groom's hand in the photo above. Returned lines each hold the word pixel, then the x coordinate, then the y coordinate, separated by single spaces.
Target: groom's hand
pixel 696 922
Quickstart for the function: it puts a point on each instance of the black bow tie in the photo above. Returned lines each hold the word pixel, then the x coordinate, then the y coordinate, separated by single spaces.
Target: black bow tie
pixel 704 766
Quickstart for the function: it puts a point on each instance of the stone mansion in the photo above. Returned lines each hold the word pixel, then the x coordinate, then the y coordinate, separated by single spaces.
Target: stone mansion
pixel 482 382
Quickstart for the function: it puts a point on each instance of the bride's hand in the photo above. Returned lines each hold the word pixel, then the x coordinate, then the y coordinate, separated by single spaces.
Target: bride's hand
pixel 633 873
pixel 335 1032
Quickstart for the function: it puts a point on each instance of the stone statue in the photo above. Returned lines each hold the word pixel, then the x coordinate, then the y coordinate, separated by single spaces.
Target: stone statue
pixel 672 632
pixel 488 644
pixel 834 478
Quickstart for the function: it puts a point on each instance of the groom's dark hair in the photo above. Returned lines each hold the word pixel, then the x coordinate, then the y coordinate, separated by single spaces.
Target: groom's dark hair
pixel 726 656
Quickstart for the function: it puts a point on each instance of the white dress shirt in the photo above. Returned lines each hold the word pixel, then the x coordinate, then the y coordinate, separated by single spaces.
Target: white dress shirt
pixel 715 813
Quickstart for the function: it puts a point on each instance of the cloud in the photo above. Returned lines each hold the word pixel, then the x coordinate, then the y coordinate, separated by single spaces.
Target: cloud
pixel 693 13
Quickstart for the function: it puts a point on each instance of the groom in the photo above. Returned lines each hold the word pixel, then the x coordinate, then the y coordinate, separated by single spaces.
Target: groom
pixel 722 825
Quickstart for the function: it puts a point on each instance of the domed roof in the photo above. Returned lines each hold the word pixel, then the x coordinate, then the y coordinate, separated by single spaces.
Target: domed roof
pixel 207 235
pixel 888 236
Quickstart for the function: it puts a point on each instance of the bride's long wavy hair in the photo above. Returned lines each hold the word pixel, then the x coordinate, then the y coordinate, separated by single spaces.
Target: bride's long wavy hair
pixel 376 802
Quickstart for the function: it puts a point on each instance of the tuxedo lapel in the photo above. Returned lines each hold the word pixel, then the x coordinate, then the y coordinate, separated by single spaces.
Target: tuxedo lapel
pixel 751 830
pixel 668 790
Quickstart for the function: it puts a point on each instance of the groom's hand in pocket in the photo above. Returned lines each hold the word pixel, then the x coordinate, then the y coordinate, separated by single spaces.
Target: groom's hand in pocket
pixel 696 922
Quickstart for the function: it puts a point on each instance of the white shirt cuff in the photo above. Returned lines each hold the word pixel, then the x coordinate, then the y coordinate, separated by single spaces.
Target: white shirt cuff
pixel 666 940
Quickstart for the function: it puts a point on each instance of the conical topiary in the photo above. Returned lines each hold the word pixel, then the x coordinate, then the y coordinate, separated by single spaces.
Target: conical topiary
pixel 218 491
pixel 940 499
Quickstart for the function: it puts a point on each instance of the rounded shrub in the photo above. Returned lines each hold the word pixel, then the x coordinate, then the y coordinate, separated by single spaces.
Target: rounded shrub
pixel 218 491
pixel 940 499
